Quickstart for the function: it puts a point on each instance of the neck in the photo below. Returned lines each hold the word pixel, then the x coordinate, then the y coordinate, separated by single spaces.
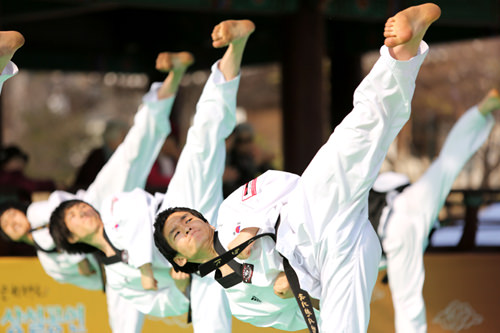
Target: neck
pixel 212 253
pixel 99 241
pixel 28 239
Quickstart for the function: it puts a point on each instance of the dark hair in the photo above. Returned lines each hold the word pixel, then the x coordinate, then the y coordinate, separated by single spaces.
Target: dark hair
pixel 60 232
pixel 10 152
pixel 161 243
pixel 7 205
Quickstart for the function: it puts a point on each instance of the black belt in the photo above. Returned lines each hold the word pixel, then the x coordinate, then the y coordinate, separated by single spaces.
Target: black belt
pixel 243 273
pixel 119 256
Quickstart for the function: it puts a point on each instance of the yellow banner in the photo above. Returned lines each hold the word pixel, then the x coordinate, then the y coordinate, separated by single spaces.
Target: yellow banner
pixel 32 302
pixel 461 294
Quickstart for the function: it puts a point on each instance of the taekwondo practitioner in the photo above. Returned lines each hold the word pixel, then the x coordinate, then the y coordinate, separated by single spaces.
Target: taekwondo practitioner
pixel 122 229
pixel 127 169
pixel 319 220
pixel 403 214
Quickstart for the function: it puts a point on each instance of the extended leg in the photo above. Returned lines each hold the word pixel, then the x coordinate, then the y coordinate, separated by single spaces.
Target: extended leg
pixel 202 160
pixel 416 209
pixel 234 35
pixel 197 181
pixel 10 41
pixel 405 30
pixel 130 164
pixel 337 181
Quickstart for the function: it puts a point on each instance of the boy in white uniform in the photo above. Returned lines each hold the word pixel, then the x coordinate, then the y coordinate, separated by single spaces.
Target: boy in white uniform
pixel 124 230
pixel 127 169
pixel 407 217
pixel 324 230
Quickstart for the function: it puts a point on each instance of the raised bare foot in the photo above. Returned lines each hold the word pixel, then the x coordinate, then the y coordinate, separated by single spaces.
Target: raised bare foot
pixel 10 41
pixel 231 31
pixel 404 31
pixel 490 103
pixel 167 61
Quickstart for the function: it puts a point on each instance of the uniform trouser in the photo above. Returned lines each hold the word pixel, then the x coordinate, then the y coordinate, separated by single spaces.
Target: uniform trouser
pixel 9 71
pixel 123 317
pixel 197 183
pixel 413 214
pixel 335 187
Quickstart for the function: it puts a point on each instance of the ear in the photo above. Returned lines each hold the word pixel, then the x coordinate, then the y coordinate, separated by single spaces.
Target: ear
pixel 181 261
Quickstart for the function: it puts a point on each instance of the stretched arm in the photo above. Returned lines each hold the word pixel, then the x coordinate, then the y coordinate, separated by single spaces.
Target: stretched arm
pixel 242 237
pixel 147 277
pixel 77 270
pixel 164 302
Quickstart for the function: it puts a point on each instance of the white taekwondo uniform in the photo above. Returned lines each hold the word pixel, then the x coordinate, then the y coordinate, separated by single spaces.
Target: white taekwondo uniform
pixel 127 169
pixel 405 223
pixel 9 71
pixel 197 182
pixel 324 232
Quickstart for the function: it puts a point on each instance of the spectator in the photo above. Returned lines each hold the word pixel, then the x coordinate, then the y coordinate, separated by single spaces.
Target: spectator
pixel 164 166
pixel 112 137
pixel 245 161
pixel 14 184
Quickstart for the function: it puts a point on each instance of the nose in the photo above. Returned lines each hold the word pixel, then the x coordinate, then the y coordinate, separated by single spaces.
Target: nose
pixel 188 229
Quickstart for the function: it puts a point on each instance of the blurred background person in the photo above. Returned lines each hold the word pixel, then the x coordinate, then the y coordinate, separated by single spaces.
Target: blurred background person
pixel 112 136
pixel 245 159
pixel 15 185
pixel 164 166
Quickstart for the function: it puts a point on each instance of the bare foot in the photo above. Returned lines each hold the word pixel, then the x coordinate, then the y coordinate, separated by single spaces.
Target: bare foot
pixel 167 61
pixel 490 103
pixel 10 41
pixel 404 31
pixel 231 31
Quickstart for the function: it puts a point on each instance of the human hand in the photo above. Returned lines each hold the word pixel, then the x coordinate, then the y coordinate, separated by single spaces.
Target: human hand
pixel 181 279
pixel 281 286
pixel 148 280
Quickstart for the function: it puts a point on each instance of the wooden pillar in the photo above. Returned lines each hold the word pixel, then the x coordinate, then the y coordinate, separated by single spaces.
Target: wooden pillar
pixel 472 201
pixel 344 78
pixel 304 115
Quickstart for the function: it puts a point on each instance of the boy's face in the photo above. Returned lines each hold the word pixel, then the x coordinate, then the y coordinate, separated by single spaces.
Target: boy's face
pixel 14 224
pixel 190 236
pixel 82 221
